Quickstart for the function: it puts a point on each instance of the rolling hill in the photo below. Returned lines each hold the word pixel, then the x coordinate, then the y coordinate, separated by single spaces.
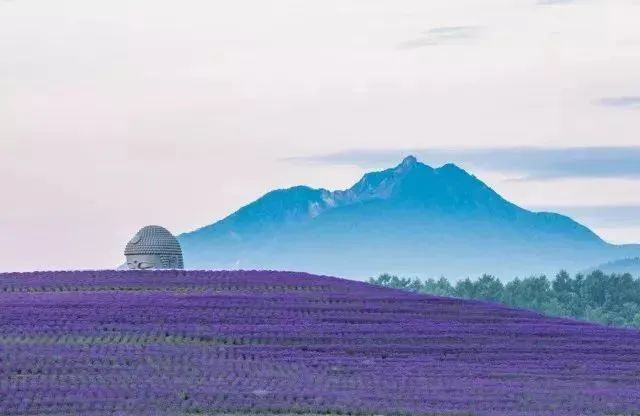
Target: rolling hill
pixel 631 266
pixel 411 219
pixel 234 343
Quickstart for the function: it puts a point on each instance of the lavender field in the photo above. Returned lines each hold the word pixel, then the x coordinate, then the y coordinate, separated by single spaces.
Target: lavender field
pixel 204 343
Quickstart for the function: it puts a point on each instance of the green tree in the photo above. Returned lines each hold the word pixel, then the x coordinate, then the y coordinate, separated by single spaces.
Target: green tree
pixel 612 299
pixel 488 288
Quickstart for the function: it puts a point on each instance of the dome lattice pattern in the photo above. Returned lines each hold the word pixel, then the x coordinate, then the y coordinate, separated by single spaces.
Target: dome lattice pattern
pixel 156 240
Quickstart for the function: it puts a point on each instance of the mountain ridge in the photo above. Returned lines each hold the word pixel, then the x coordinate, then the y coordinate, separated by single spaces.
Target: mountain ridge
pixel 629 265
pixel 438 220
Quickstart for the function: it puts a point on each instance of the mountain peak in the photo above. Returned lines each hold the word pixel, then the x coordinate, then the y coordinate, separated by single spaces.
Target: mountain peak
pixel 409 161
pixel 452 168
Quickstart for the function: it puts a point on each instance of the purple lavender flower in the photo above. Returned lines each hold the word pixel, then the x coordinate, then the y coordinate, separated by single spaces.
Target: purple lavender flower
pixel 201 342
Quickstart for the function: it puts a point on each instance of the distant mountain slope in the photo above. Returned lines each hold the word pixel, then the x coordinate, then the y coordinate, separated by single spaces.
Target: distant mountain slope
pixel 411 219
pixel 631 266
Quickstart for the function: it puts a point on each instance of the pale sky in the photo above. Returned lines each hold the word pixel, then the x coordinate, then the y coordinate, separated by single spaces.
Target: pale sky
pixel 117 114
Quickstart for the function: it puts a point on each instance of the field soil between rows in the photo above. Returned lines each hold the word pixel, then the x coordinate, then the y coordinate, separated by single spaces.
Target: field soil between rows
pixel 264 342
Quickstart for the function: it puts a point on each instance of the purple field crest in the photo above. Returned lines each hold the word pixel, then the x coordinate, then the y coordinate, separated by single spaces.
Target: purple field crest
pixel 196 342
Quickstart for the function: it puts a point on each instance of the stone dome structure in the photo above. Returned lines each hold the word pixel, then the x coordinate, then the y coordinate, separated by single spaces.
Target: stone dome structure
pixel 154 247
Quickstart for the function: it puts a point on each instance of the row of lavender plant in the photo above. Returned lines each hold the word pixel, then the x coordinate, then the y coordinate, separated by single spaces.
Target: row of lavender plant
pixel 197 342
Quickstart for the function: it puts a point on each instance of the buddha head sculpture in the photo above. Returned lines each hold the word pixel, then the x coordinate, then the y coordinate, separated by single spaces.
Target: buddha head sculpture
pixel 153 247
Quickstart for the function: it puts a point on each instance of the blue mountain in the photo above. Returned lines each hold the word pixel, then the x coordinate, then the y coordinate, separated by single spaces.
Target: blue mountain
pixel 411 219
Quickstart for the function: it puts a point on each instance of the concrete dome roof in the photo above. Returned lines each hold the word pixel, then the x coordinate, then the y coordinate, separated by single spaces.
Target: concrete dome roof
pixel 153 239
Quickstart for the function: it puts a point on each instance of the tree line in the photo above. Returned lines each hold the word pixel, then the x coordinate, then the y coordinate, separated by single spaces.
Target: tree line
pixel 611 299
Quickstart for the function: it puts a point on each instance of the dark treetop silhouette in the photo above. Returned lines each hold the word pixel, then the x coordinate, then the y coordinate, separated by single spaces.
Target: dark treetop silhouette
pixel 612 299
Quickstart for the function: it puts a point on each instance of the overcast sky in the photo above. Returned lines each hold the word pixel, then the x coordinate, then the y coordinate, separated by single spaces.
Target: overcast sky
pixel 117 114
